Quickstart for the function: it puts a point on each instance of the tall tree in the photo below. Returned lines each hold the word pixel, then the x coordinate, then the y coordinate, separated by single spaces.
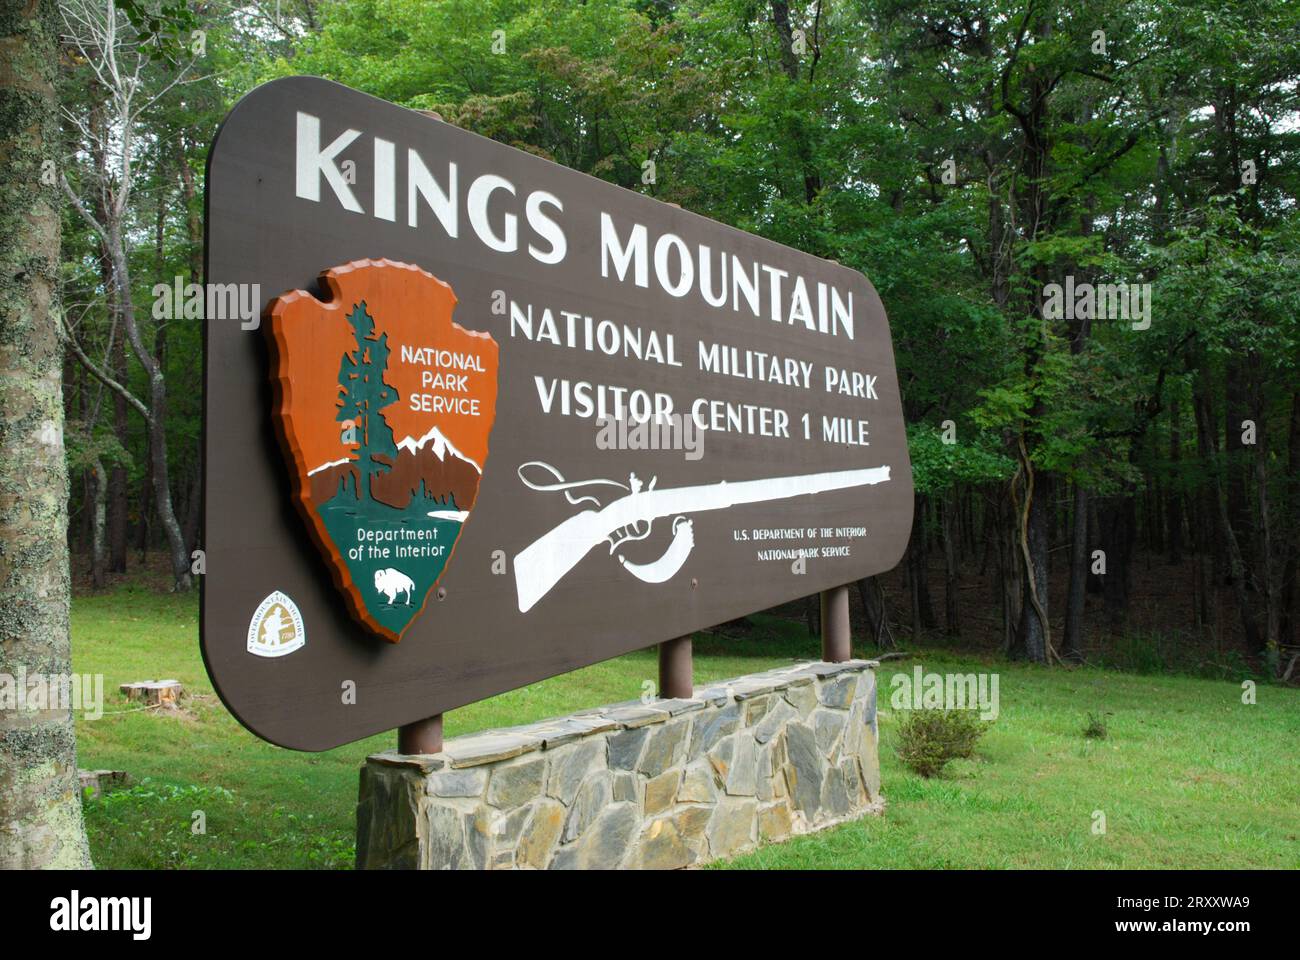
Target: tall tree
pixel 40 800
pixel 118 56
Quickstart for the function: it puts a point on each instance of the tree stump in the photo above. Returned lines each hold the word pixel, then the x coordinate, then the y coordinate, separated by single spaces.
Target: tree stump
pixel 155 693
pixel 102 781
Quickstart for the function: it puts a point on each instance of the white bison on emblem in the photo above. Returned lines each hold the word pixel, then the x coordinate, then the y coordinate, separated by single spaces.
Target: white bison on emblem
pixel 391 582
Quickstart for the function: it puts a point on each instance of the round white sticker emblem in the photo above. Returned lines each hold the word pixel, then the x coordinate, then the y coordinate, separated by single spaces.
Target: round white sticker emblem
pixel 276 628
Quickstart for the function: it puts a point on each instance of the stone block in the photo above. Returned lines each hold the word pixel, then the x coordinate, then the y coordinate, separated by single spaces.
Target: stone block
pixel 636 715
pixel 774 822
pixel 827 726
pixel 835 794
pixel 711 728
pixel 691 822
pixel 625 747
pixel 720 759
pixel 661 791
pixel 751 688
pixel 714 696
pixel 869 761
pixel 664 748
pixel 515 784
pixel 661 847
pixel 570 764
pixel 853 781
pixel 742 777
pixel 675 708
pixel 822 669
pixel 764 775
pixel 456 840
pixel 626 788
pixel 595 794
pixel 604 844
pixel 423 763
pixel 803 698
pixel 507 827
pixel 490 748
pixel 555 733
pixel 780 713
pixel 731 828
pixel 388 811
pixel 698 785
pixel 537 842
pixel 456 783
pixel 804 769
pixel 837 691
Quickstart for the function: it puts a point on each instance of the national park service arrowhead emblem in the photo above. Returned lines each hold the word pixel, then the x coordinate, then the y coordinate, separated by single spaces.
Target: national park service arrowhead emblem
pixel 383 407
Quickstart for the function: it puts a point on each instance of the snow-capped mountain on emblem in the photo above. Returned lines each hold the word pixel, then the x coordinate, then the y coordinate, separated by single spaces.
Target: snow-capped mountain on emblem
pixel 382 359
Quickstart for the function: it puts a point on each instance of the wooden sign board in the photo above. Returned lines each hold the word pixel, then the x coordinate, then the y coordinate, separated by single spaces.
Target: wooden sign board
pixel 500 420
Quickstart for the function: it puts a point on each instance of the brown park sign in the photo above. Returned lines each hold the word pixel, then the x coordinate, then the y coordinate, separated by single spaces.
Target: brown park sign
pixel 500 420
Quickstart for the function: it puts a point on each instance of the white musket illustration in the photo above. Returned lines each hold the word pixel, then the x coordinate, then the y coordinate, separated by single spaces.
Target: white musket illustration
pixel 548 559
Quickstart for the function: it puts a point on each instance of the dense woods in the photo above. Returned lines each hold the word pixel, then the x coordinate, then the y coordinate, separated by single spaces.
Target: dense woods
pixel 1081 219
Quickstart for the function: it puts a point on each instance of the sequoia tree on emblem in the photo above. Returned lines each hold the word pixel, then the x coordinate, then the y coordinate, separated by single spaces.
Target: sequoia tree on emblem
pixel 383 407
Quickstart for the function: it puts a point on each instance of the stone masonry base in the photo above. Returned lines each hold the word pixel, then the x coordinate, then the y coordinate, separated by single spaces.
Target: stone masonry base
pixel 659 785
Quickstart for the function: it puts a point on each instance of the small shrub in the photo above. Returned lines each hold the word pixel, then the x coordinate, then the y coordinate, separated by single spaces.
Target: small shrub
pixel 1096 728
pixel 928 739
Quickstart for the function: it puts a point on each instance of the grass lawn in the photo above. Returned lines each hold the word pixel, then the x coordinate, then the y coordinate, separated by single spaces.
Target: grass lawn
pixel 1187 775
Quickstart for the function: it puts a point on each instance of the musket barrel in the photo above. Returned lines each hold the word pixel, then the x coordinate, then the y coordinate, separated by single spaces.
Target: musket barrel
pixel 545 561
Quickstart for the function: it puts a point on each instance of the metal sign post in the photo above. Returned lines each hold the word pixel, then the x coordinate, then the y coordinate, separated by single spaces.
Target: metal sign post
pixel 676 669
pixel 837 639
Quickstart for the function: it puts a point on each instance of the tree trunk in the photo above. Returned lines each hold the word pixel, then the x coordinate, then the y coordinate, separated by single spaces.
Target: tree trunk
pixel 1236 563
pixel 1291 523
pixel 1236 409
pixel 1117 522
pixel 952 625
pixel 156 422
pixel 193 217
pixel 1072 643
pixel 193 508
pixel 1174 513
pixel 1032 636
pixel 117 479
pixel 873 606
pixel 118 486
pixel 918 570
pixel 1270 566
pixel 1010 573
pixel 40 798
pixel 98 549
pixel 812 183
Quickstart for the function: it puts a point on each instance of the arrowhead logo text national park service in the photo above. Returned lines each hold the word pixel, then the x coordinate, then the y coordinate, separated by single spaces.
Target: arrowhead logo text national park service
pixel 383 407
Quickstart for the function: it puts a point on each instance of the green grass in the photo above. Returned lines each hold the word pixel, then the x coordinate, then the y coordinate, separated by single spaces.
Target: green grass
pixel 1187 775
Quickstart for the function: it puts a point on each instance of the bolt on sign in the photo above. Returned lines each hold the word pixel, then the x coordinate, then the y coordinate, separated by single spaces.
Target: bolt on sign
pixel 500 420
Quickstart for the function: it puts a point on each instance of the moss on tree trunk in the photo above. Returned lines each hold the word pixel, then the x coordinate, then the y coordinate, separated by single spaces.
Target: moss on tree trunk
pixel 40 801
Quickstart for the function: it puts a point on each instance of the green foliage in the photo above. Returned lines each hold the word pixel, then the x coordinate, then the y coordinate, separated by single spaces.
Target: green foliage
pixel 1123 164
pixel 162 25
pixel 82 449
pixel 937 465
pixel 1095 728
pixel 928 740
pixel 1149 652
